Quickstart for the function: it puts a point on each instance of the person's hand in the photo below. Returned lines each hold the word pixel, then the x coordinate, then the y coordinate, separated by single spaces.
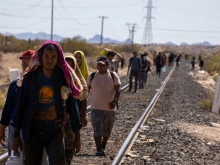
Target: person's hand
pixel 16 143
pixel 77 143
pixel 84 120
pixel 112 105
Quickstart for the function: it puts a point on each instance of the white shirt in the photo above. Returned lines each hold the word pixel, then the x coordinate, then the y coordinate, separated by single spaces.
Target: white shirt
pixel 102 90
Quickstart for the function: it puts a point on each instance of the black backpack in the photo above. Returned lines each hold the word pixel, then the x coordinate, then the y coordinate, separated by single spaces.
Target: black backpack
pixel 94 73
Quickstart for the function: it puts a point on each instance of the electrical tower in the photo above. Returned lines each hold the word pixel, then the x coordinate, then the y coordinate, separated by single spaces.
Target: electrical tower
pixel 148 35
pixel 102 17
pixel 131 28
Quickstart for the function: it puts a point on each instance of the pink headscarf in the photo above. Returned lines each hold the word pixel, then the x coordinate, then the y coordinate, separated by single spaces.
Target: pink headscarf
pixel 70 75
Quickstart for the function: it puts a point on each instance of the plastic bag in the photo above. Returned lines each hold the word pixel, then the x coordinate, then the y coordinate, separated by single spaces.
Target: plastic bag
pixel 163 69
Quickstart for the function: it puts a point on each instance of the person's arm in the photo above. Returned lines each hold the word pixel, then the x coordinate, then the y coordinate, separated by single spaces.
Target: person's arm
pixel 9 104
pixel 114 102
pixel 22 103
pixel 129 66
pixel 83 112
pixel 140 63
pixel 117 84
pixel 7 111
pixel 21 108
pixel 120 57
pixel 83 97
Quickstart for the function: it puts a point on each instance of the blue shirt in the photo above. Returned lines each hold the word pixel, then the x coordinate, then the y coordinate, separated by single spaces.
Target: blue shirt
pixel 46 97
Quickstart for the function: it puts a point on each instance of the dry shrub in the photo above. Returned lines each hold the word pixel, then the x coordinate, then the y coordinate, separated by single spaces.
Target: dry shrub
pixel 2 99
pixel 214 64
pixel 206 104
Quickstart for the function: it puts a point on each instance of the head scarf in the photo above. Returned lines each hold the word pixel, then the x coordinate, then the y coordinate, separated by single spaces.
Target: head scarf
pixel 83 67
pixel 70 76
pixel 84 93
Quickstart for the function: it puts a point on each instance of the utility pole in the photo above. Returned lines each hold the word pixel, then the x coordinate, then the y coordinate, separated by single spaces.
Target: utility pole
pixel 131 28
pixel 148 35
pixel 51 34
pixel 102 17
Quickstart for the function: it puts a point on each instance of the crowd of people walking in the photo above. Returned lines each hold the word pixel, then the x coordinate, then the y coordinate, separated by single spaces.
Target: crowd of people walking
pixel 47 107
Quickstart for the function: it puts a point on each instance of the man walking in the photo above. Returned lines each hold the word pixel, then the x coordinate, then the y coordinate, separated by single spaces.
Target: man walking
pixel 104 89
pixel 41 105
pixel 9 110
pixel 135 66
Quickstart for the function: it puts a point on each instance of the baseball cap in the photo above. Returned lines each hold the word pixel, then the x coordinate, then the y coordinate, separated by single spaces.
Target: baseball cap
pixel 27 54
pixel 102 60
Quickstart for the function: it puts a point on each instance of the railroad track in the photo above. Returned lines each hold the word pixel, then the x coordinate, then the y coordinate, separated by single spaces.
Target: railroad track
pixel 134 132
pixel 4 156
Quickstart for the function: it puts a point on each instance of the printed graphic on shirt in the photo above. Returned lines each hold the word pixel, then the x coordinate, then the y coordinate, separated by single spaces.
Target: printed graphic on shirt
pixel 45 95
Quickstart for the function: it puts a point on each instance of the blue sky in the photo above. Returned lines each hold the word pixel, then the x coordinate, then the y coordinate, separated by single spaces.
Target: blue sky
pixel 177 21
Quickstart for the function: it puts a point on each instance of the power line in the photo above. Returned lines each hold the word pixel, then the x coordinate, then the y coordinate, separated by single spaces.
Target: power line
pixel 182 30
pixel 81 7
pixel 72 18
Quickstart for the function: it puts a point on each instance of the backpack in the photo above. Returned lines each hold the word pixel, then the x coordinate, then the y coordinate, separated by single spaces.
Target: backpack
pixel 94 73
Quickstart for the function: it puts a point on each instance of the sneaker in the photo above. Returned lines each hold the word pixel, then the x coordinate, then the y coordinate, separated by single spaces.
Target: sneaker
pixel 100 153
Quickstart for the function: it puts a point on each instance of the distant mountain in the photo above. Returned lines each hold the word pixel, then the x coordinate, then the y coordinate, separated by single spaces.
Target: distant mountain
pixel 170 44
pixel 45 36
pixel 95 39
pixel 184 44
pixel 205 43
pixel 33 36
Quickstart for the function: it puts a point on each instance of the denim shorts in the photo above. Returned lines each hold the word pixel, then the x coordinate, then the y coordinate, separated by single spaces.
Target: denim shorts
pixel 102 122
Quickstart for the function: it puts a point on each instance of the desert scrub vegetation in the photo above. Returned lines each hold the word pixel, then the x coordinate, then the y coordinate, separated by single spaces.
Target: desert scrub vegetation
pixel 206 103
pixel 2 98
pixel 213 65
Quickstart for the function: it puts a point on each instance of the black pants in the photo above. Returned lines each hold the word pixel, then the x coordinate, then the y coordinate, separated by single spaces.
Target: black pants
pixel 135 75
pixel 54 148
pixel 158 70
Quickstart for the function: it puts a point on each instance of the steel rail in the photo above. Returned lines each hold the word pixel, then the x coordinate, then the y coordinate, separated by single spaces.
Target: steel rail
pixel 129 140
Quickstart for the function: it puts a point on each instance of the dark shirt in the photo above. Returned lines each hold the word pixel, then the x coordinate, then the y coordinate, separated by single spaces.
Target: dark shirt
pixel 9 110
pixel 46 95
pixel 201 63
pixel 135 63
pixel 29 96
